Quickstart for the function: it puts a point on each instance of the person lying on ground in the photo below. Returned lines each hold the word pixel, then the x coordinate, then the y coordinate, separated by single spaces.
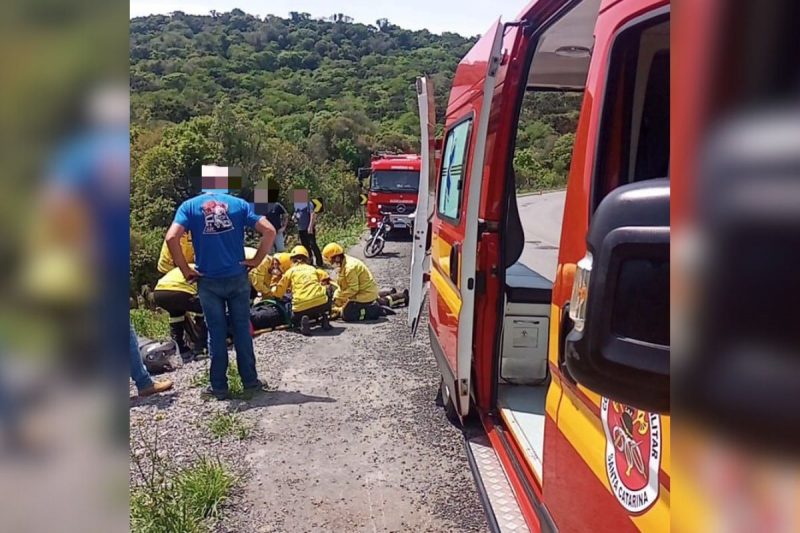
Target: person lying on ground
pixel 309 295
pixel 356 297
pixel 165 262
pixel 177 297
pixel 393 298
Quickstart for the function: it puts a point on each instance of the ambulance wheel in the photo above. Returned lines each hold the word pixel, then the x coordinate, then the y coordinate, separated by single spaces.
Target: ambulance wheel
pixel 447 402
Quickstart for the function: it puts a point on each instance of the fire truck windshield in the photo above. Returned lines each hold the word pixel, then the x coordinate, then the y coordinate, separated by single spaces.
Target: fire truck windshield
pixel 395 181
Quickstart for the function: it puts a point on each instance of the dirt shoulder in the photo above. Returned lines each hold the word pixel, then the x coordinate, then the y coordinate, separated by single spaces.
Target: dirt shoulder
pixel 349 439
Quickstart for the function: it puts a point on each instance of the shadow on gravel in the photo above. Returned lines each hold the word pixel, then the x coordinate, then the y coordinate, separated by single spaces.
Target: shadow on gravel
pixel 367 323
pixel 333 332
pixel 386 255
pixel 160 401
pixel 278 397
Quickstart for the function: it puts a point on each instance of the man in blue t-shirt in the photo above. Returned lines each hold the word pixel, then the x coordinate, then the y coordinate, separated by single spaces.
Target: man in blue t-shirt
pixel 216 221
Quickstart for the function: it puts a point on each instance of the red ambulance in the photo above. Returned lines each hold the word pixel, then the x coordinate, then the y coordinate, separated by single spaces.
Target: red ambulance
pixel 562 387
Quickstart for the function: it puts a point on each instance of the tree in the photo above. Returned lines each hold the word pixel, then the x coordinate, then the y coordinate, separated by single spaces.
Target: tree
pixel 297 101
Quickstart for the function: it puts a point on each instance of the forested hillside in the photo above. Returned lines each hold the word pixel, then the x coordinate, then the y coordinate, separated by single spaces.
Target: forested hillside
pixel 298 101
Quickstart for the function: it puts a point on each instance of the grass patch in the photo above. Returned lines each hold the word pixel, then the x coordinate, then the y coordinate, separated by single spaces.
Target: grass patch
pixel 346 233
pixel 235 387
pixel 229 425
pixel 151 324
pixel 234 380
pixel 178 499
pixel 201 377
pixel 205 486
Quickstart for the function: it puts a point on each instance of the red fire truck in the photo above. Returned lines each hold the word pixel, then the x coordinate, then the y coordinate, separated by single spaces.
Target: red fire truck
pixel 562 387
pixel 392 188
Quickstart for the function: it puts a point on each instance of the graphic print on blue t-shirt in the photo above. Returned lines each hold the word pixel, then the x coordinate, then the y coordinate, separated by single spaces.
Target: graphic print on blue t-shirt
pixel 216 217
pixel 216 222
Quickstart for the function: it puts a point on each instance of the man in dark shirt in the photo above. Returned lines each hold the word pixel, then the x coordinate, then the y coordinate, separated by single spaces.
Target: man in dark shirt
pixel 278 217
pixel 306 220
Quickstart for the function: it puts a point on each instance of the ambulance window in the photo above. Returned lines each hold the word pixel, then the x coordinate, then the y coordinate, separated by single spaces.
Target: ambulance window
pixel 634 132
pixel 451 179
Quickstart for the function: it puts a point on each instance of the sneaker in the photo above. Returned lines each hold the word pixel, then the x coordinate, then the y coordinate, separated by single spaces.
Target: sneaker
pixel 156 387
pixel 218 394
pixel 305 325
pixel 187 357
pixel 326 323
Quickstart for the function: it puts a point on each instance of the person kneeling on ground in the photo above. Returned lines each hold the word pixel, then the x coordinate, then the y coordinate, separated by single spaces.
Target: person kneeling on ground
pixel 177 297
pixel 309 294
pixel 357 295
pixel 261 277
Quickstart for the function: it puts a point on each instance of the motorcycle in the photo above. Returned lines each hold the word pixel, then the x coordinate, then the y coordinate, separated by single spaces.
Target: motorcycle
pixel 376 242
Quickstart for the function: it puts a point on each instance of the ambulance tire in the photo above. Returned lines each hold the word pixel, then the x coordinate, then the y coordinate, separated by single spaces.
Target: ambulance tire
pixel 447 402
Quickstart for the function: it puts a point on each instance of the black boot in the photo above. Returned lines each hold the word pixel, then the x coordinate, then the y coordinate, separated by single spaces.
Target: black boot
pixel 387 292
pixel 201 348
pixel 176 332
pixel 326 324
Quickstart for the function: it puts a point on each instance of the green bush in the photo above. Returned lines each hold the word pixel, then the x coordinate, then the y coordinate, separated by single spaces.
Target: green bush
pixel 145 249
pixel 346 234
pixel 150 324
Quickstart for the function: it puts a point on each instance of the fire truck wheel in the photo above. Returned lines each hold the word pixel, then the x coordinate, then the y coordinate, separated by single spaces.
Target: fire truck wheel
pixel 447 401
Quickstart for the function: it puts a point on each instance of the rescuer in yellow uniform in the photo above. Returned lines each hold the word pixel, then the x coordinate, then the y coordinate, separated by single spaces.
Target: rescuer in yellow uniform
pixel 165 262
pixel 261 277
pixel 357 295
pixel 309 294
pixel 177 296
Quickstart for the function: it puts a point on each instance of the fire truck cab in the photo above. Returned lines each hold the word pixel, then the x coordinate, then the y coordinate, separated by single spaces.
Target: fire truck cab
pixel 392 188
pixel 562 385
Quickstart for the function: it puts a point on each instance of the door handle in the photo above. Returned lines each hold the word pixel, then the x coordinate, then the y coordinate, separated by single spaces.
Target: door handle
pixel 454 259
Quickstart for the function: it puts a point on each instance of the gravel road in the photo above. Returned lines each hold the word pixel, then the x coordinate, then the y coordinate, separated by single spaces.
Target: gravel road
pixel 348 439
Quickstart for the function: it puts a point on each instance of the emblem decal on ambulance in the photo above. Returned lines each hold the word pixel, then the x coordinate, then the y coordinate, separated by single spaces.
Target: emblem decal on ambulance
pixel 633 454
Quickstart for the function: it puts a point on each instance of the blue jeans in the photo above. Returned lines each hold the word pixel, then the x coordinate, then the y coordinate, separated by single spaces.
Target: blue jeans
pixel 233 294
pixel 139 373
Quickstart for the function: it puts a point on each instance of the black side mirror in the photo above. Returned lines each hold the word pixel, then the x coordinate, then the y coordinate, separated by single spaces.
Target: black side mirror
pixel 363 173
pixel 620 348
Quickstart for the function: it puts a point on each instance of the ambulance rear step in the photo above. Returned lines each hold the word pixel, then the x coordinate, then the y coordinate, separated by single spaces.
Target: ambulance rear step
pixel 502 510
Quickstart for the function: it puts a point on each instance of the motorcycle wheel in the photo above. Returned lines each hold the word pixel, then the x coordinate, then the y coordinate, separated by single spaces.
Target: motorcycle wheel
pixel 373 247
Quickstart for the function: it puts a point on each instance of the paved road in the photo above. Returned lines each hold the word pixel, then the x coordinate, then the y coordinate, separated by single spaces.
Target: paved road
pixel 541 219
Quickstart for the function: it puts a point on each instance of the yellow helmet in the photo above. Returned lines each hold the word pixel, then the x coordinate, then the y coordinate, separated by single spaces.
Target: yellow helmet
pixel 299 251
pixel 284 261
pixel 331 250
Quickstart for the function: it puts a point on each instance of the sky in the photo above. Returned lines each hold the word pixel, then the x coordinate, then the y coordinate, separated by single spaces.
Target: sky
pixel 467 17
